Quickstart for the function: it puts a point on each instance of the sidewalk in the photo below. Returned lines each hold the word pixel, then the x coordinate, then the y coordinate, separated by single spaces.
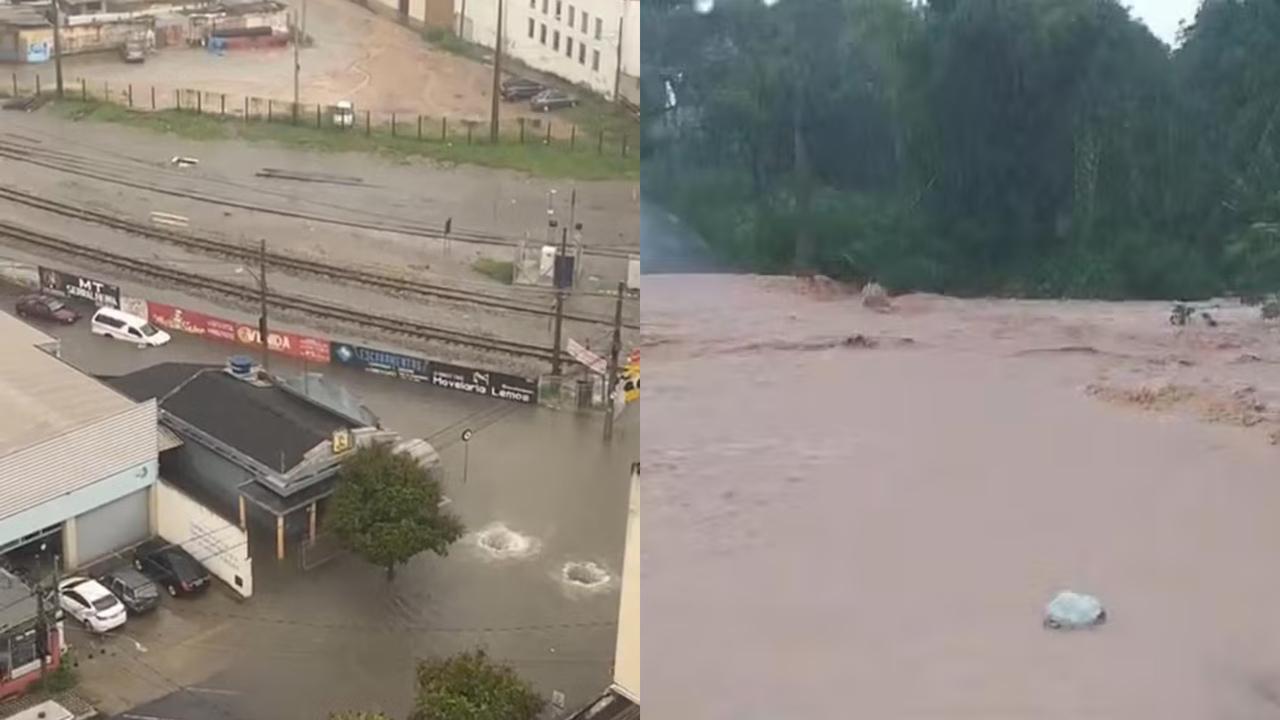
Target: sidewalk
pixel 69 699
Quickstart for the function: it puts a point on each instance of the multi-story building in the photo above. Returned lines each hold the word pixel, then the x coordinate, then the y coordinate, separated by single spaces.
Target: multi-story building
pixel 591 43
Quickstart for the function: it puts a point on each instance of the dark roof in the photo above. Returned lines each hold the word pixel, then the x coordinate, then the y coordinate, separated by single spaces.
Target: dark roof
pixel 610 706
pixel 269 424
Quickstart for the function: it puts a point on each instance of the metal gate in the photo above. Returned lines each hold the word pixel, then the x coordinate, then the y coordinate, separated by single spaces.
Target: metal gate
pixel 114 526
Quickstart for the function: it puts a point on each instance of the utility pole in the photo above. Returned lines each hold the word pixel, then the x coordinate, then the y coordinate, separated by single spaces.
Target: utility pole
pixel 614 350
pixel 42 627
pixel 617 72
pixel 297 68
pixel 57 45
pixel 560 292
pixel 497 85
pixel 262 292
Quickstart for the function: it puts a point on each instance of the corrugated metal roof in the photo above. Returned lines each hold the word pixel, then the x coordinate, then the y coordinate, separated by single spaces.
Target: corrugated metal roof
pixel 42 396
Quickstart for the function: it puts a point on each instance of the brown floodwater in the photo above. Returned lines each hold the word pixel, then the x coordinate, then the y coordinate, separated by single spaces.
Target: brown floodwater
pixel 853 514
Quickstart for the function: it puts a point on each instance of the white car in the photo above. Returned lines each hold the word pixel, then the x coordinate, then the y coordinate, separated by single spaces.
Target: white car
pixel 112 323
pixel 89 602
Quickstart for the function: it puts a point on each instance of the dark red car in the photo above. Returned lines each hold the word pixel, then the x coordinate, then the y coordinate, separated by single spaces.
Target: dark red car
pixel 46 307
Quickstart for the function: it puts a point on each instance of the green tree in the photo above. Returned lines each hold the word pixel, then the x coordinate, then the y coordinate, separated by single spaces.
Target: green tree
pixel 470 686
pixel 387 508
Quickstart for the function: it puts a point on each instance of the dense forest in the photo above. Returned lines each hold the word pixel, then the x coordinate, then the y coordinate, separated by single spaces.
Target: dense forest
pixel 1014 147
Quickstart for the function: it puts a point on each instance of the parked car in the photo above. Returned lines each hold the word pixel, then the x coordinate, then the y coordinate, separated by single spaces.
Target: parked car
pixel 518 88
pixel 134 49
pixel 45 307
pixel 138 593
pixel 86 600
pixel 171 567
pixel 120 325
pixel 552 99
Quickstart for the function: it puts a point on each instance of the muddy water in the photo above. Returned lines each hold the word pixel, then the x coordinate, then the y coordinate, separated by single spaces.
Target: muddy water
pixel 871 529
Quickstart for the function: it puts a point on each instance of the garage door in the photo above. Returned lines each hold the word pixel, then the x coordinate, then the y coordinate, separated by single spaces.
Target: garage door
pixel 113 526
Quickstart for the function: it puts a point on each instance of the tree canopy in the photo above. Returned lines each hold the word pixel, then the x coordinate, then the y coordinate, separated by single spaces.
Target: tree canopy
pixel 387 508
pixel 470 686
pixel 1022 147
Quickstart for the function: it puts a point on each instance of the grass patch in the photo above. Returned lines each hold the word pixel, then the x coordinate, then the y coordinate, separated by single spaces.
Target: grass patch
pixel 501 270
pixel 556 161
pixel 447 41
pixel 59 680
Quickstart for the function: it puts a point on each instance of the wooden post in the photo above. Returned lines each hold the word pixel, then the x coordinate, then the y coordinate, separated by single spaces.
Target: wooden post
pixel 222 105
pixel 419 127
pixel 444 128
pixel 244 525
pixel 200 102
pixel 130 96
pixel 84 89
pixel 279 537
pixel 521 131
pixel 246 108
pixel 548 132
pixel 470 127
pixel 393 124
pixel 318 125
pixel 37 84
pixel 153 97
pixel 270 108
pixel 15 84
pixel 368 126
pixel 573 135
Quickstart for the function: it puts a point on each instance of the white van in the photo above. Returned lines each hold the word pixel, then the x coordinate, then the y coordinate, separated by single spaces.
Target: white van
pixel 112 323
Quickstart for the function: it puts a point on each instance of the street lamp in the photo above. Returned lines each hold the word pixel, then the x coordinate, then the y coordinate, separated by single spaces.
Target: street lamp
pixel 261 278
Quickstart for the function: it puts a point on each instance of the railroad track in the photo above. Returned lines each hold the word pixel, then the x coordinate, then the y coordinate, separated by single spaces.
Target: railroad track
pixel 313 307
pixel 290 262
pixel 68 163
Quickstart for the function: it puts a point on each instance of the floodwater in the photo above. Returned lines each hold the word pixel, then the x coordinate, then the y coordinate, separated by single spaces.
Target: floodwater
pixel 856 514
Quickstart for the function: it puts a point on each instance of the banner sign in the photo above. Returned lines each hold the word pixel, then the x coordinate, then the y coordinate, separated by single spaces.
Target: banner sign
pixel 382 362
pixel 484 382
pixel 96 292
pixel 594 362
pixel 197 323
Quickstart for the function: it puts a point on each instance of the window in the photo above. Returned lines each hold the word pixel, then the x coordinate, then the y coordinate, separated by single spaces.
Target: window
pixel 543 39
pixel 531 25
pixel 571 17
pixel 568 46
pixel 584 21
pixel 544 6
pixel 533 4
pixel 555 42
pixel 595 60
pixel 582 54
pixel 599 28
pixel 558 9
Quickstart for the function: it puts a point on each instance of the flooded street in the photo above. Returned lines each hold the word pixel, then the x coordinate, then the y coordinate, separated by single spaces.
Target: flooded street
pixel 863 514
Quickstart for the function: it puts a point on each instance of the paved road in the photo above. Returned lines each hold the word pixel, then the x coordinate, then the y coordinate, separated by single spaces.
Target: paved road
pixel 668 246
pixel 341 636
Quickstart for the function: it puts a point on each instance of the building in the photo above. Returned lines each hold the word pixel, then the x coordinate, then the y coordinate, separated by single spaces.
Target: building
pixel 78 460
pixel 622 700
pixel 257 450
pixel 591 43
pixel 26 35
pixel 20 645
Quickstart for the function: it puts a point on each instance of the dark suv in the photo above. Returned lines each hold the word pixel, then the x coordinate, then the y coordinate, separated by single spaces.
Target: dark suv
pixel 171 567
pixel 518 88
pixel 134 589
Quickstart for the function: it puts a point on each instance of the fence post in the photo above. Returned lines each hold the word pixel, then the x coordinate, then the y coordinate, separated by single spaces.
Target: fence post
pixel 37 84
pixel 368 125
pixel 130 96
pixel 419 127
pixel 153 97
pixel 548 132
pixel 177 99
pixel 270 109
pixel 200 102
pixel 521 131
pixel 246 108
pixel 600 144
pixel 222 109
pixel 15 84
pixel 470 127
pixel 393 124
pixel 84 90
pixel 318 126
pixel 573 136
pixel 624 144
pixel 444 128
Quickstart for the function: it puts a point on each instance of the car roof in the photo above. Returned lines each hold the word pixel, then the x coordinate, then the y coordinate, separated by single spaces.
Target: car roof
pixel 119 315
pixel 88 587
pixel 129 576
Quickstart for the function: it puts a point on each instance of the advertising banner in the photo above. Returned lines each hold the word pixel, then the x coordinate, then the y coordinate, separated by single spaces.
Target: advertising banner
pixel 64 283
pixel 579 352
pixel 484 382
pixel 382 362
pixel 197 323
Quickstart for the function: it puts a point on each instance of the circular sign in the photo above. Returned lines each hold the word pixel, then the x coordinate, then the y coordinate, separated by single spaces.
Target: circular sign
pixel 466 435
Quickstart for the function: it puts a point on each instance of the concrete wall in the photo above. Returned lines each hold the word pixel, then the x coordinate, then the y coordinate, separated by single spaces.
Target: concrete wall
pixel 626 661
pixel 219 545
pixel 573 54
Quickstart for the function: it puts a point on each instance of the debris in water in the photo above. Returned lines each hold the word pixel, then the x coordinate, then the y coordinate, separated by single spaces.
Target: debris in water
pixel 860 341
pixel 183 162
pixel 1071 610
pixel 585 574
pixel 500 541
pixel 875 297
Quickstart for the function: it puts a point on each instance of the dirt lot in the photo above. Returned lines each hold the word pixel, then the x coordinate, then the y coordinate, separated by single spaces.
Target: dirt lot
pixel 357 56
pixel 856 514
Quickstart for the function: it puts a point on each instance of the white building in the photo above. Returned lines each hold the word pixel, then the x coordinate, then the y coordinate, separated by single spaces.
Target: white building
pixel 78 460
pixel 591 43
